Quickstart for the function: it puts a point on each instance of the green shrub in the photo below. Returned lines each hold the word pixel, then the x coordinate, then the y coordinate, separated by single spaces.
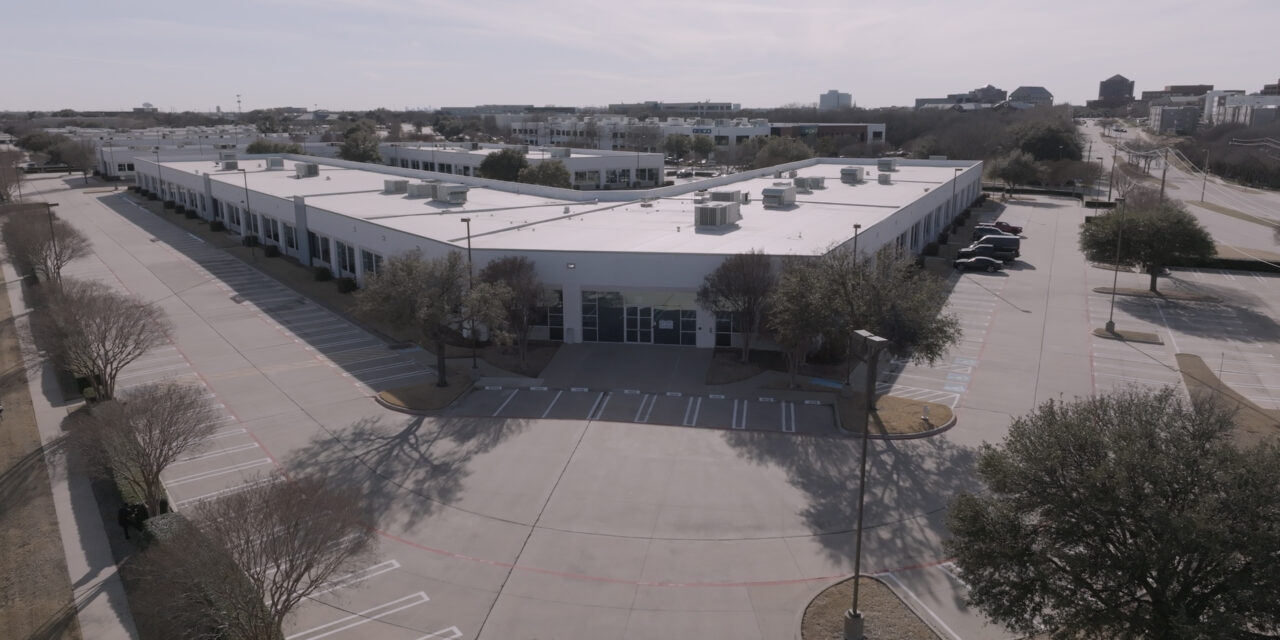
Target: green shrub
pixel 930 249
pixel 249 241
pixel 169 204
pixel 346 285
pixel 271 251
pixel 217 225
pixel 322 274
pixel 191 213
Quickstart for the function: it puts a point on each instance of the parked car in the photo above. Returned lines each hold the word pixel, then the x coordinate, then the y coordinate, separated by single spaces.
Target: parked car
pixel 989 230
pixel 978 263
pixel 1006 247
pixel 1006 227
pixel 974 250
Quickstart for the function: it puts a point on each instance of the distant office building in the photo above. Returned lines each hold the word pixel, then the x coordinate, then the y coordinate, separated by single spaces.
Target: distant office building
pixel 833 100
pixel 1215 103
pixel 981 98
pixel 1037 96
pixel 1177 91
pixel 1115 91
pixel 486 109
pixel 674 108
pixel 871 133
pixel 1271 89
pixel 1174 117
pixel 1250 111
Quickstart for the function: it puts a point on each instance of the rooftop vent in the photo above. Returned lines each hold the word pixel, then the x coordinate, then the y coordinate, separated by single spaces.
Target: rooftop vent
pixel 451 193
pixel 223 156
pixel 851 175
pixel 783 195
pixel 307 169
pixel 726 196
pixel 275 164
pixel 421 190
pixel 805 183
pixel 716 214
pixel 558 152
pixel 395 186
pixel 885 178
pixel 230 165
pixel 887 164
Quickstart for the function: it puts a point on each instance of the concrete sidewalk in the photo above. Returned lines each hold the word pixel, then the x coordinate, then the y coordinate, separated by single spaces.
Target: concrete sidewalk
pixel 102 607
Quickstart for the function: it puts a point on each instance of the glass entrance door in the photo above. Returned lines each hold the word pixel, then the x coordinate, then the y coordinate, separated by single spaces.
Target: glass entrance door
pixel 640 325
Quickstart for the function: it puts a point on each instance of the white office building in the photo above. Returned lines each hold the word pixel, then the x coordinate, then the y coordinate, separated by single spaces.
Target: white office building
pixel 589 169
pixel 833 100
pixel 624 266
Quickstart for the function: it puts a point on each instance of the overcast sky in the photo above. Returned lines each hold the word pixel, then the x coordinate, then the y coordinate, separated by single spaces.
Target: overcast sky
pixel 360 54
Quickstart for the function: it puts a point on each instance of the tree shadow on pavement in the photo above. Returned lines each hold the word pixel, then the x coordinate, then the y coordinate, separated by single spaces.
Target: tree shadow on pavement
pixel 1226 320
pixel 415 467
pixel 909 486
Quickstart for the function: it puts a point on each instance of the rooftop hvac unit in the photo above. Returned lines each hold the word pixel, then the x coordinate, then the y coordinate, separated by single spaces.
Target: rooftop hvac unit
pixel 937 157
pixel 421 190
pixel 558 152
pixel 307 169
pixel 451 193
pixel 792 173
pixel 801 184
pixel 817 182
pixel 230 165
pixel 524 148
pixel 726 196
pixel 395 186
pixel 887 164
pixel 885 178
pixel 223 156
pixel 851 174
pixel 717 214
pixel 275 164
pixel 777 174
pixel 778 196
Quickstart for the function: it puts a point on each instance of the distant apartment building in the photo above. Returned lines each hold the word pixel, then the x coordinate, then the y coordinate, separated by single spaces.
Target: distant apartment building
pixel 1173 117
pixel 833 100
pixel 1036 96
pixel 678 108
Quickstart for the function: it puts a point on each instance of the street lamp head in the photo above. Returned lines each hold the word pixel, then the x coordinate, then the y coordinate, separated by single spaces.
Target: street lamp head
pixel 468 220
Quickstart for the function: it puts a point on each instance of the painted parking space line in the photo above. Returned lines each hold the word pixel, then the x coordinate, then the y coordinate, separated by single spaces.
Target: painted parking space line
pixel 362 617
pixel 598 407
pixel 212 495
pixel 356 577
pixel 214 454
pixel 640 411
pixel 204 475
pixel 452 633
pixel 691 409
pixel 412 374
pixel 552 403
pixel 505 402
pixel 789 411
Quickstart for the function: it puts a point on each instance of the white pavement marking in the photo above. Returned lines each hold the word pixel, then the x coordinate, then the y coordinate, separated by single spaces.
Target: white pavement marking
pixel 224 434
pixel 229 490
pixel 653 399
pixel 220 452
pixel 927 610
pixel 356 577
pixel 404 375
pixel 789 428
pixel 362 617
pixel 601 401
pixel 453 632
pixel 640 409
pixel 553 403
pixel 218 472
pixel 1172 340
pixel 504 402
pixel 696 405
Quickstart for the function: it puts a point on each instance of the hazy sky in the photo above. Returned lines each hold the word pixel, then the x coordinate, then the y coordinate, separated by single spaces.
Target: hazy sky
pixel 357 54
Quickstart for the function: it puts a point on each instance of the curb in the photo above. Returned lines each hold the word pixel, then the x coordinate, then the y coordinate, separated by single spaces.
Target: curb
pixel 919 435
pixel 799 623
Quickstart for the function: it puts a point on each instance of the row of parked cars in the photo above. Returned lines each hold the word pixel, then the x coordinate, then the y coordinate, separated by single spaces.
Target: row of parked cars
pixel 994 244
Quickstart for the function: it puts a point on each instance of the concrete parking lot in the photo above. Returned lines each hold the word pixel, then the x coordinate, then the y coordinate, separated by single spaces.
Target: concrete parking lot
pixel 620 509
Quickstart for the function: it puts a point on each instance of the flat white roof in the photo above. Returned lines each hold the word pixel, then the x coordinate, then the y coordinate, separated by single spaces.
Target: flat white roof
pixel 508 219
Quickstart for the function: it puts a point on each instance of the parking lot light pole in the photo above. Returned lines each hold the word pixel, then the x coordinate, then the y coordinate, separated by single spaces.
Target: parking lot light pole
pixel 1115 276
pixel 1101 163
pixel 1112 179
pixel 954 180
pixel 854 623
pixel 470 286
pixel 856 227
pixel 253 253
pixel 1204 180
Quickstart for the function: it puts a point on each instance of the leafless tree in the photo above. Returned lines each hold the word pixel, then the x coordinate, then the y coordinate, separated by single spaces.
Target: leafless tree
pixel 10 175
pixel 251 557
pixel 78 154
pixel 41 243
pixel 140 434
pixel 740 286
pixel 95 332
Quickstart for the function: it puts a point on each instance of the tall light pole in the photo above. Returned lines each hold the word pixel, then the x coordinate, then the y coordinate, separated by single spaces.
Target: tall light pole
pixel 856 227
pixel 1101 163
pixel 1204 181
pixel 470 286
pixel 159 176
pixel 1115 276
pixel 1164 172
pixel 872 345
pixel 1112 179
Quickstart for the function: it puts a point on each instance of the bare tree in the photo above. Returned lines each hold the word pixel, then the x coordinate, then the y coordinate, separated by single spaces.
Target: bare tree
pixel 140 434
pixel 43 244
pixel 10 175
pixel 527 294
pixel 248 559
pixel 95 332
pixel 740 286
pixel 78 154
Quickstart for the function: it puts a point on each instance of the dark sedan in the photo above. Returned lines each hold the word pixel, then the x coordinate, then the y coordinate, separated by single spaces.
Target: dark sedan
pixel 978 263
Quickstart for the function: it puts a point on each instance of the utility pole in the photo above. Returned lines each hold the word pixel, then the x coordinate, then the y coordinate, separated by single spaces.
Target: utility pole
pixel 1112 179
pixel 1164 172
pixel 1204 171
